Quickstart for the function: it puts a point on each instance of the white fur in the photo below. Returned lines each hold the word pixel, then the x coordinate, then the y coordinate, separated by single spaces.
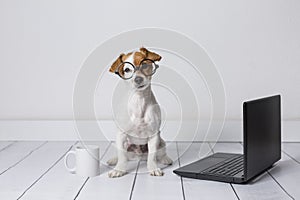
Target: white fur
pixel 143 128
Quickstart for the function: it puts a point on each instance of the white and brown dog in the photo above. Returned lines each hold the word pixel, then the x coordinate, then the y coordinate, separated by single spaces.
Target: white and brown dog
pixel 141 139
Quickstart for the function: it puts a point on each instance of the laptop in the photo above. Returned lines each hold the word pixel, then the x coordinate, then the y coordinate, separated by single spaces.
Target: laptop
pixel 262 147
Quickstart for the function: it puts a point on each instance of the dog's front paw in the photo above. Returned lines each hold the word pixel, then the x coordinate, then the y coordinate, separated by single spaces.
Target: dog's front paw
pixel 157 172
pixel 116 173
pixel 166 160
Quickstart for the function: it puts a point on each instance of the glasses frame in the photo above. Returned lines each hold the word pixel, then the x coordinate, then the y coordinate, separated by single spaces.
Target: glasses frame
pixel 136 68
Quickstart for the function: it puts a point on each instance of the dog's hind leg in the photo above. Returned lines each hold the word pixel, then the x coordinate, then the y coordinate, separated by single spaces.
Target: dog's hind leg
pixel 166 160
pixel 162 156
pixel 113 161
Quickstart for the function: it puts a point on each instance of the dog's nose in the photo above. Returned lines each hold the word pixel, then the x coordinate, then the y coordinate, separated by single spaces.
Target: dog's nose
pixel 138 79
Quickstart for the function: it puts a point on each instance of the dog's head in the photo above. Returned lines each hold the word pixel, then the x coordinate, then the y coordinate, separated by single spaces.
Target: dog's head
pixel 137 67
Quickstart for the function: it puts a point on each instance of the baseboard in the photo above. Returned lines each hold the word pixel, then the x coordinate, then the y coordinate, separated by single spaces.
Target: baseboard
pixel 67 130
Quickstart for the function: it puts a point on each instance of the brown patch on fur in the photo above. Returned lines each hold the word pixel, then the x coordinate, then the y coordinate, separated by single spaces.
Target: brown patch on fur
pixel 145 54
pixel 138 57
pixel 150 55
pixel 117 63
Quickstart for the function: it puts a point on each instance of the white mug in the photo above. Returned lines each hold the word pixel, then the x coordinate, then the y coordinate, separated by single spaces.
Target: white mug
pixel 87 161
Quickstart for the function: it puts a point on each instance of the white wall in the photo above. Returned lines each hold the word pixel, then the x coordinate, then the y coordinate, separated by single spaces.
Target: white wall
pixel 255 46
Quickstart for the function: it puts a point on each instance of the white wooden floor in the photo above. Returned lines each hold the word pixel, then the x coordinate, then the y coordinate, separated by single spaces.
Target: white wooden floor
pixel 35 170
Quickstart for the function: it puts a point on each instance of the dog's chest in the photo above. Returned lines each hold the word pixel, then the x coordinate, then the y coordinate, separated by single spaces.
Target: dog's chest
pixel 137 106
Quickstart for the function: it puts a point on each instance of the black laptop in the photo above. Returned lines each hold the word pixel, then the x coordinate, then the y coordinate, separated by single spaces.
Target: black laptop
pixel 262 147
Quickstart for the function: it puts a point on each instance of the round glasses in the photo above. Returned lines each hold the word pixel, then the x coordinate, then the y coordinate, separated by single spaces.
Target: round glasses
pixel 126 69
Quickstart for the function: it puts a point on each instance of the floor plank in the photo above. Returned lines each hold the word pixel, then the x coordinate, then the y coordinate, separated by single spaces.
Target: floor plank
pixel 109 188
pixel 5 144
pixel 287 171
pixel 38 170
pixel 16 153
pixel 58 183
pixel 194 188
pixel 263 187
pixel 165 187
pixel 15 181
pixel 190 152
pixel 293 150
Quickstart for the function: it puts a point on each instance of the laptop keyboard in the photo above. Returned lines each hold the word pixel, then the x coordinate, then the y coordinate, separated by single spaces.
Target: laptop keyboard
pixel 229 167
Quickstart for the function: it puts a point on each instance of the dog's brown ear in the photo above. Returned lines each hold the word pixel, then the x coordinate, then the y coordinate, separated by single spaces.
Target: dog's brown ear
pixel 150 55
pixel 116 63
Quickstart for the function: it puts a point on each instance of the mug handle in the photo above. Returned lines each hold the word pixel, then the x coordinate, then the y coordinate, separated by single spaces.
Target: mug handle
pixel 72 170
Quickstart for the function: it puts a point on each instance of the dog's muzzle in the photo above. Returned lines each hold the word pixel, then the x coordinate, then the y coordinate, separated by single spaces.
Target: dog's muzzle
pixel 138 80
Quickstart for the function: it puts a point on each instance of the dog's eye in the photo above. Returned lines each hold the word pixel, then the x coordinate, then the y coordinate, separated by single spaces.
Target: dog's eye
pixel 145 66
pixel 148 67
pixel 127 70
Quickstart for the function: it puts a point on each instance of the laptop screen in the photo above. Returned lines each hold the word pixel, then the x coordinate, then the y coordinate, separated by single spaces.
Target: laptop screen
pixel 262 134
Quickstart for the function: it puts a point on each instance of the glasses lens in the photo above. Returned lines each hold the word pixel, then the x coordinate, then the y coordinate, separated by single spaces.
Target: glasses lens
pixel 148 67
pixel 126 70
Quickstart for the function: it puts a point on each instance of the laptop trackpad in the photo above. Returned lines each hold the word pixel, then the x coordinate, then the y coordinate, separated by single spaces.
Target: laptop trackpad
pixel 205 163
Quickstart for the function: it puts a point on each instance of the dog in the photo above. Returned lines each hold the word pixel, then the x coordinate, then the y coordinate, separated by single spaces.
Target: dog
pixel 141 139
